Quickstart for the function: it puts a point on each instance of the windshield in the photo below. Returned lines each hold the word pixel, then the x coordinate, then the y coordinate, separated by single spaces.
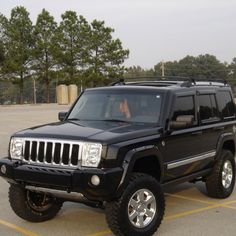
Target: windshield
pixel 118 107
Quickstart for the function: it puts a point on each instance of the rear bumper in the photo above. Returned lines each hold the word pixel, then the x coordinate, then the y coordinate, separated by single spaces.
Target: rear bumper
pixel 64 179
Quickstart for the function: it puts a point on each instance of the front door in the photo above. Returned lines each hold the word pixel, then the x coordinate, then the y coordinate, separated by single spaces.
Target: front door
pixel 184 149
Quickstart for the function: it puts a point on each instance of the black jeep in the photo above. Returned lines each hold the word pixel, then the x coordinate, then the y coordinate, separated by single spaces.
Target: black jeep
pixel 118 146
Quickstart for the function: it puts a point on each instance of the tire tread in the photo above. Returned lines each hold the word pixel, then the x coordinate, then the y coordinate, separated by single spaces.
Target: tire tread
pixel 112 209
pixel 19 205
pixel 213 181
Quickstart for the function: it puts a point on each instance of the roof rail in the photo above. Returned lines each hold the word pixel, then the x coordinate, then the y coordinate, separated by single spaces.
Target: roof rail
pixel 119 82
pixel 156 78
pixel 183 81
pixel 122 81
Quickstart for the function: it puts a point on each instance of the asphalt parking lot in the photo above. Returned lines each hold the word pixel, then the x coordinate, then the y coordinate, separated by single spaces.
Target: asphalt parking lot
pixel 188 210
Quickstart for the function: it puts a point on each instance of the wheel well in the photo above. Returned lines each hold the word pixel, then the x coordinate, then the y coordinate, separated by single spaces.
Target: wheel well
pixel 229 145
pixel 148 165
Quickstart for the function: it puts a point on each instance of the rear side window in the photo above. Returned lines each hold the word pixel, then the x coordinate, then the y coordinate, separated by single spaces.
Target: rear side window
pixel 184 106
pixel 226 104
pixel 207 107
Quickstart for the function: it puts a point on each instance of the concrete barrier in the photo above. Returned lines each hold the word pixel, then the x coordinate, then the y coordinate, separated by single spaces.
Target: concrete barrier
pixel 72 93
pixel 62 94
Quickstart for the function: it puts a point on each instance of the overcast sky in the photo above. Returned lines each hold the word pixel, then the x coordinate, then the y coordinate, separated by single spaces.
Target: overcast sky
pixel 154 30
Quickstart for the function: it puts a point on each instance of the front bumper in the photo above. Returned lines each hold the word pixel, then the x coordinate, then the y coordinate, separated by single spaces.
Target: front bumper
pixel 64 179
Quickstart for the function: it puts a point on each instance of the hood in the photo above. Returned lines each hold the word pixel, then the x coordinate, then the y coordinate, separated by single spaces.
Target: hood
pixel 100 131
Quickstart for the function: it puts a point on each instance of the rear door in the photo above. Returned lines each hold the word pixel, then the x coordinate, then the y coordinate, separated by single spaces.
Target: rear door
pixel 209 119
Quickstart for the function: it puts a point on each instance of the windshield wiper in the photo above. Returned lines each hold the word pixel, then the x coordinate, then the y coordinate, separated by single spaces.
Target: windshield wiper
pixel 116 120
pixel 73 119
pixel 108 120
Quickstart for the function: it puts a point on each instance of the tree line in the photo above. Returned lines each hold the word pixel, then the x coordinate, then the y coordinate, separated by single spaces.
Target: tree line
pixel 73 50
pixel 77 51
pixel 199 67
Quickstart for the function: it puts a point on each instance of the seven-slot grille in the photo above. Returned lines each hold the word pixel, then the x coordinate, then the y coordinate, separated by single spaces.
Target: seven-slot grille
pixel 52 152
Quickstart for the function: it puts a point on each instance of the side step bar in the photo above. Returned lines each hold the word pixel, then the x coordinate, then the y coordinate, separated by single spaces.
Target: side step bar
pixel 187 178
pixel 72 196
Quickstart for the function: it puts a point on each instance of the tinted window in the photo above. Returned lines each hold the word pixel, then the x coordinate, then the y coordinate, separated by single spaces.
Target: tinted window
pixel 184 106
pixel 207 107
pixel 226 104
pixel 109 106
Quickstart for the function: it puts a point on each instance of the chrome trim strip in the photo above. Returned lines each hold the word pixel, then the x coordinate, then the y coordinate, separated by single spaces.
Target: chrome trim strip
pixel 37 151
pixel 30 148
pixel 70 153
pixel 53 151
pixel 191 160
pixel 61 153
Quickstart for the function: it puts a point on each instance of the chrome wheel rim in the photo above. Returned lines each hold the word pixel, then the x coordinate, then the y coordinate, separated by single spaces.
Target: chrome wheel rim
pixel 142 208
pixel 227 174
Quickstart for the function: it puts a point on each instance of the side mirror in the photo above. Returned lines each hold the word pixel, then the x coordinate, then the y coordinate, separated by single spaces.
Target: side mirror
pixel 182 122
pixel 62 115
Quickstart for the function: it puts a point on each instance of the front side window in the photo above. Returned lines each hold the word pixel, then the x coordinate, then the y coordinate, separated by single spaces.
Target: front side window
pixel 121 106
pixel 184 113
pixel 184 106
pixel 207 107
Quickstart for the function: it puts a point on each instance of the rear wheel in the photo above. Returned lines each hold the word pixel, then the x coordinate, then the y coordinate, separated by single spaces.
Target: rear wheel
pixel 220 184
pixel 33 206
pixel 140 209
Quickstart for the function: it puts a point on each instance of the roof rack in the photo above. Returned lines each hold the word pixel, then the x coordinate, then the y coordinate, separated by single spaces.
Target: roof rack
pixel 157 78
pixel 119 82
pixel 169 80
pixel 146 79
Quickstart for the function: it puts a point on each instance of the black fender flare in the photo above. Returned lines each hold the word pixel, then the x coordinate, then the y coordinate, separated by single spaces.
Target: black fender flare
pixel 130 159
pixel 222 139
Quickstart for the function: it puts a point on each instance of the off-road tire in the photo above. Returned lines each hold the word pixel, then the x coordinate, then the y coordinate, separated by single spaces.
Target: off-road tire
pixel 117 211
pixel 20 205
pixel 214 184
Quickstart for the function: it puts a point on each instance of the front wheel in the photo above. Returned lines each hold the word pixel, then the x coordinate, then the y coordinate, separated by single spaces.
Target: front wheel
pixel 220 183
pixel 33 206
pixel 140 209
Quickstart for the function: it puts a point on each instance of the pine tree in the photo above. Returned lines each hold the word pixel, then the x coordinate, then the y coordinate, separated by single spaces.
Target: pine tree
pixel 106 55
pixel 44 62
pixel 19 45
pixel 3 38
pixel 70 49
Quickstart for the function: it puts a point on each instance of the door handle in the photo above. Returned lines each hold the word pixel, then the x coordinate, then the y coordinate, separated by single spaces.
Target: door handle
pixel 197 133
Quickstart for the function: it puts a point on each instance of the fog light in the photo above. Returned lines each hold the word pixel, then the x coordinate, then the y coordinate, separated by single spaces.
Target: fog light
pixel 4 169
pixel 95 180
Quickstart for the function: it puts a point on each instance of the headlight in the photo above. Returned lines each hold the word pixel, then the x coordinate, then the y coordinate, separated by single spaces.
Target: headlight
pixel 16 148
pixel 91 154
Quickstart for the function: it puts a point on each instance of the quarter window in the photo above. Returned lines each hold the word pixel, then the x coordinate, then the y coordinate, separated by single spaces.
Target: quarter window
pixel 226 104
